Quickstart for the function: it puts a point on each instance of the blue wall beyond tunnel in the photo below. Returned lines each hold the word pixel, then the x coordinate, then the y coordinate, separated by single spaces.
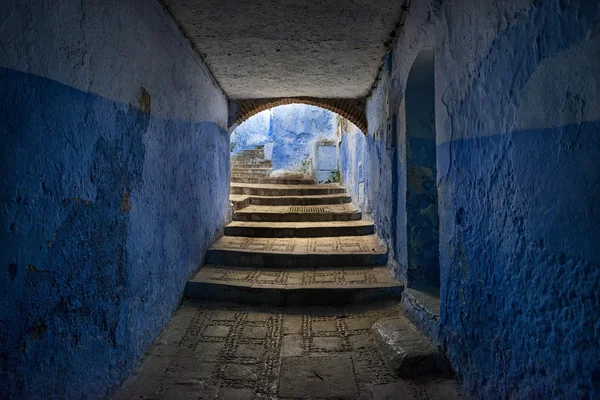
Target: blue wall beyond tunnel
pixel 291 130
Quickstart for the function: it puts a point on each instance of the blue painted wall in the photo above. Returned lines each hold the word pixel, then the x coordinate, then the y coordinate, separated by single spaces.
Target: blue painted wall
pixel 518 160
pixel 113 182
pixel 367 159
pixel 521 250
pixel 352 152
pixel 292 129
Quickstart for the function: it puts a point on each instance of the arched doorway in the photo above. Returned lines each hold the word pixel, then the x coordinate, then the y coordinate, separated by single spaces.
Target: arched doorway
pixel 422 222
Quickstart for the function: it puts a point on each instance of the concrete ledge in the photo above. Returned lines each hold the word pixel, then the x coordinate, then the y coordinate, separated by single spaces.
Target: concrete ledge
pixel 240 201
pixel 423 309
pixel 407 351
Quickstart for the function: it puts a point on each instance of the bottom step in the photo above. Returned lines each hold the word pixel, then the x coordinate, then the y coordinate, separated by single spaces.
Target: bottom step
pixel 293 286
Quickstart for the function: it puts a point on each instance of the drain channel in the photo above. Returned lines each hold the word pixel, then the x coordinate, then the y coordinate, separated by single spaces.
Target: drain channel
pixel 308 210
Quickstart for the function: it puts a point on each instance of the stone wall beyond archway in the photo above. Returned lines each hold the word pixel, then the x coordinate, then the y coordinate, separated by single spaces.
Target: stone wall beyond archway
pixel 351 109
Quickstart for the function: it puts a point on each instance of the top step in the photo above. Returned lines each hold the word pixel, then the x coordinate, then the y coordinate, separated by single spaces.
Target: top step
pixel 248 157
pixel 249 178
pixel 249 154
pixel 285 190
pixel 253 163
pixel 249 151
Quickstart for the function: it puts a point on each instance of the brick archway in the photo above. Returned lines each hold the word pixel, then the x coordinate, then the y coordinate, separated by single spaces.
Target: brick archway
pixel 351 109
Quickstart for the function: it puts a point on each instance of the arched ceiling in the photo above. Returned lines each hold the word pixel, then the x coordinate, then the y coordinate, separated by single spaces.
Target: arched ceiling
pixel 290 48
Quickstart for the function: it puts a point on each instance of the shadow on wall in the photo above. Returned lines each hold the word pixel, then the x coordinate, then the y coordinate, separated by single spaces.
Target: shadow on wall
pixel 104 227
pixel 295 137
pixel 422 221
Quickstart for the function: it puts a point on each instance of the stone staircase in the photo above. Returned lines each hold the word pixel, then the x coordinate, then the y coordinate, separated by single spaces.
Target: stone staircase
pixel 292 241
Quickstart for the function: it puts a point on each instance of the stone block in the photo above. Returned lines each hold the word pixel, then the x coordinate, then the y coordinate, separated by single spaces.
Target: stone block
pixel 408 352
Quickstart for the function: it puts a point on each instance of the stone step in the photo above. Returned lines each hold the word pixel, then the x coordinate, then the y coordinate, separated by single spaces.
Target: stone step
pixel 245 167
pixel 248 152
pixel 296 286
pixel 239 201
pixel 280 253
pixel 250 175
pixel 322 213
pixel 299 229
pixel 250 168
pixel 325 199
pixel 408 352
pixel 286 190
pixel 250 172
pixel 238 167
pixel 250 178
pixel 251 161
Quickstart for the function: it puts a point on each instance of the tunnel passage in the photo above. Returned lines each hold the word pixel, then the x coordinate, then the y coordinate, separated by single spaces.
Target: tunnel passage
pixel 422 222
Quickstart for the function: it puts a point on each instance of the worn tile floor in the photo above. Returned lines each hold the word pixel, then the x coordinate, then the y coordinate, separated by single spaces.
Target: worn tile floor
pixel 214 350
pixel 312 245
pixel 297 278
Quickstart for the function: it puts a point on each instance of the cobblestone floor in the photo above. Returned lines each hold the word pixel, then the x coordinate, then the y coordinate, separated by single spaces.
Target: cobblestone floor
pixel 216 350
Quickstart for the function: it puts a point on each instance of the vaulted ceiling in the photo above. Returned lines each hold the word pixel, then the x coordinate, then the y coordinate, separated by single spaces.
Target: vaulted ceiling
pixel 288 48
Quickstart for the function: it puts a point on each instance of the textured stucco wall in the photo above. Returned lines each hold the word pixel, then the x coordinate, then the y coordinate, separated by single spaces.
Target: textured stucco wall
pixel 518 153
pixel 352 149
pixel 292 129
pixel 113 182
pixel 366 162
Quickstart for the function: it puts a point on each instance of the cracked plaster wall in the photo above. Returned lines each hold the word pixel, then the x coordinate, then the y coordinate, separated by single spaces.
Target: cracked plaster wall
pixel 113 182
pixel 518 149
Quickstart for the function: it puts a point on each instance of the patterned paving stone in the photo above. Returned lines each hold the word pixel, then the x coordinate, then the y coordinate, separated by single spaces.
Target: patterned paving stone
pixel 326 344
pixel 342 244
pixel 248 359
pixel 376 276
pixel 318 377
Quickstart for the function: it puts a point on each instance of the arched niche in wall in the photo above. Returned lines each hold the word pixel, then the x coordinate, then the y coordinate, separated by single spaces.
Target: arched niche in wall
pixel 422 222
